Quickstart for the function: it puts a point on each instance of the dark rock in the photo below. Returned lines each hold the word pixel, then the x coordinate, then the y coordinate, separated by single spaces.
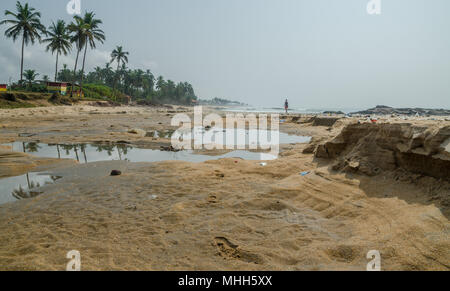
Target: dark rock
pixel 169 149
pixel 116 173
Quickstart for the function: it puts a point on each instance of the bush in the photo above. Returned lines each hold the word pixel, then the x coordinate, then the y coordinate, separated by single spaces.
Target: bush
pixel 9 97
pixel 57 99
pixel 102 92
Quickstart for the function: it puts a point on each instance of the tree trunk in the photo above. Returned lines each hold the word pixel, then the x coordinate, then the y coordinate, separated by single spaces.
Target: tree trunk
pixel 76 153
pixel 21 62
pixel 56 69
pixel 75 72
pixel 115 80
pixel 28 182
pixel 120 155
pixel 84 154
pixel 82 70
pixel 59 153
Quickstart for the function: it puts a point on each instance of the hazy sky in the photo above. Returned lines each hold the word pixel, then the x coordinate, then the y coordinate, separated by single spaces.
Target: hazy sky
pixel 317 53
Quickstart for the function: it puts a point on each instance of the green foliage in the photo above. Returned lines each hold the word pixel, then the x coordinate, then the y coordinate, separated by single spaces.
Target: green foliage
pixel 220 102
pixel 36 88
pixel 58 99
pixel 84 32
pixel 30 76
pixel 14 99
pixel 99 91
pixel 25 23
pixel 59 39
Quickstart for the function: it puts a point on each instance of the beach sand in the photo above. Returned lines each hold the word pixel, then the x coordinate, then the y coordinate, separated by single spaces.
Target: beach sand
pixel 229 214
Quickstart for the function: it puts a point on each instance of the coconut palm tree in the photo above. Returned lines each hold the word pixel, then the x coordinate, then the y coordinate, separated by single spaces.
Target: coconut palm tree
pixel 160 83
pixel 92 34
pixel 65 74
pixel 77 28
pixel 98 74
pixel 119 56
pixel 107 74
pixel 30 76
pixel 26 23
pixel 58 41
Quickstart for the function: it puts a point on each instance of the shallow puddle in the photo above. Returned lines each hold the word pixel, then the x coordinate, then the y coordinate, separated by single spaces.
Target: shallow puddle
pixel 27 186
pixel 87 153
pixel 24 186
pixel 239 137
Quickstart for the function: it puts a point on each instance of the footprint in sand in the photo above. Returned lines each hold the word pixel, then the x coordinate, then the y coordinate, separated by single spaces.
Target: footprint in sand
pixel 230 250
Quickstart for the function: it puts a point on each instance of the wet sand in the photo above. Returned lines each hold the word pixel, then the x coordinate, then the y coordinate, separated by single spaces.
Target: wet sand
pixel 228 214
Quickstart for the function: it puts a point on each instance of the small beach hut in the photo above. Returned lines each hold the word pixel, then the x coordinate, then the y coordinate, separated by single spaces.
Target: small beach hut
pixel 65 89
pixel 57 87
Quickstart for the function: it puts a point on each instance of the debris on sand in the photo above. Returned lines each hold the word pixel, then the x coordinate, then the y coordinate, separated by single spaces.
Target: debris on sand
pixel 116 173
pixel 169 149
pixel 138 131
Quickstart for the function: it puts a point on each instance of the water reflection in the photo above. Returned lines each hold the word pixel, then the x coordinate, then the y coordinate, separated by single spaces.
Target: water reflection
pixel 86 153
pixel 30 147
pixel 24 186
pixel 81 152
pixel 27 186
pixel 32 188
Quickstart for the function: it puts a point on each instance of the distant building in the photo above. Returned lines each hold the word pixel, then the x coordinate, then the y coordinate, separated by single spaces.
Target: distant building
pixel 57 87
pixel 64 88
pixel 3 87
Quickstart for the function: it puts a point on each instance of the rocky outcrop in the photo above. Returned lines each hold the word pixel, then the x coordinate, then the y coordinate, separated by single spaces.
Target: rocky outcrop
pixel 323 121
pixel 372 148
pixel 386 110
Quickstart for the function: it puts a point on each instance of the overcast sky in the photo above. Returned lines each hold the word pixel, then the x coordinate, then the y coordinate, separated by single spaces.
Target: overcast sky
pixel 317 53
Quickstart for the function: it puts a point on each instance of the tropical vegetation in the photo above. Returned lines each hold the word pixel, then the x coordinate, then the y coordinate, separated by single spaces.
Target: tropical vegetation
pixel 25 24
pixel 82 34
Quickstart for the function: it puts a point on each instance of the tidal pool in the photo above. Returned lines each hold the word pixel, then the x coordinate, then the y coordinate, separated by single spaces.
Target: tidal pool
pixel 86 153
pixel 28 185
pixel 24 186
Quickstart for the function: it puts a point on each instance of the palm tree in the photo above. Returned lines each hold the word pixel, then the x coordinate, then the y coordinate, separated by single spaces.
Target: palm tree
pixel 108 74
pixel 30 76
pixel 77 28
pixel 65 74
pixel 59 41
pixel 149 82
pixel 27 24
pixel 119 56
pixel 160 83
pixel 92 34
pixel 98 73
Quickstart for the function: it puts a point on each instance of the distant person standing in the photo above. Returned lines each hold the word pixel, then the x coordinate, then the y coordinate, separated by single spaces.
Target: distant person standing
pixel 286 106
